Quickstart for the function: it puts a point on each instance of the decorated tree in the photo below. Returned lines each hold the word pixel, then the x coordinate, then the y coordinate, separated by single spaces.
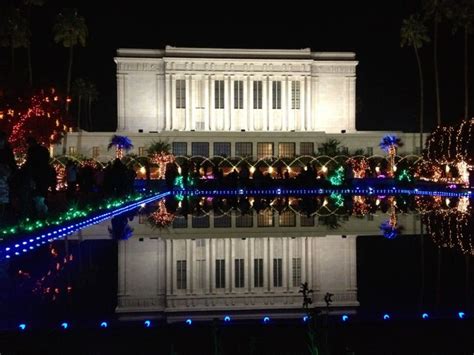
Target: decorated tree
pixel 40 115
pixel 389 144
pixel 120 143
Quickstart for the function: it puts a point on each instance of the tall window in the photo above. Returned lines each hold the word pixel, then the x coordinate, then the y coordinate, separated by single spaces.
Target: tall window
pixel 276 98
pixel 222 149
pixel 258 272
pixel 287 219
pixel 219 94
pixel 220 273
pixel 296 272
pixel 238 94
pixel 201 273
pixel 295 95
pixel 141 151
pixel 277 272
pixel 243 149
pixel 264 150
pixel 306 148
pixel 200 148
pixel 244 221
pixel 257 95
pixel 265 218
pixel 180 148
pixel 239 273
pixel 286 150
pixel 181 93
pixel 181 274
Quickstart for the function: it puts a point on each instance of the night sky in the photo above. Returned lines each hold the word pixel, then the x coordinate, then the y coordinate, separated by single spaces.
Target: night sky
pixel 387 78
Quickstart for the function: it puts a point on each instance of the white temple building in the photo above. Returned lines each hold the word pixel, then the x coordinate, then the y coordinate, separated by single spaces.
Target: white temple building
pixel 235 102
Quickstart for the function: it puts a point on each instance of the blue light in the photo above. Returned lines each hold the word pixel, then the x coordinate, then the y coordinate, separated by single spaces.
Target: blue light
pixel 64 325
pixel 386 317
pixel 461 315
pixel 305 318
pixel 189 321
pixel 425 316
pixel 147 324
pixel 345 317
pixel 22 326
pixel 266 319
pixel 104 325
pixel 227 319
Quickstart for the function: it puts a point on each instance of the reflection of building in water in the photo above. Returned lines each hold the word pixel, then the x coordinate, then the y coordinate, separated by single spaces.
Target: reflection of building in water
pixel 225 274
pixel 225 261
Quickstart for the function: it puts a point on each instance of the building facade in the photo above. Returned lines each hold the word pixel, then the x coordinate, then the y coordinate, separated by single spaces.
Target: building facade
pixel 236 102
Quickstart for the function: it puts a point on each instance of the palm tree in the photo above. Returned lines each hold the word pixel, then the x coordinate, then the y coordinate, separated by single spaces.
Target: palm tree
pixel 414 33
pixel 462 15
pixel 14 33
pixel 70 29
pixel 29 5
pixel 120 143
pixel 436 10
pixel 92 95
pixel 79 91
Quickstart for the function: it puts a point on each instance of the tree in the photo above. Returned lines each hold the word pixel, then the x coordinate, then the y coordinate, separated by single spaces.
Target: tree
pixel 414 33
pixel 14 33
pixel 79 91
pixel 461 13
pixel 29 5
pixel 70 30
pixel 40 115
pixel 92 95
pixel 436 11
pixel 120 143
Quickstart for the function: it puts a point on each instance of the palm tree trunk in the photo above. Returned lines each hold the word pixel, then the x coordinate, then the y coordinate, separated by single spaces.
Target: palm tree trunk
pixel 466 82
pixel 69 72
pixel 435 54
pixel 420 73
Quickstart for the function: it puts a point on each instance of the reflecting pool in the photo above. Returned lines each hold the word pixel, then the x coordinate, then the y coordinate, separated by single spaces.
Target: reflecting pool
pixel 267 266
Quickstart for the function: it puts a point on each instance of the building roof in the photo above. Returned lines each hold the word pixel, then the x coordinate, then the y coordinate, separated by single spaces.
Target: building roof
pixel 191 52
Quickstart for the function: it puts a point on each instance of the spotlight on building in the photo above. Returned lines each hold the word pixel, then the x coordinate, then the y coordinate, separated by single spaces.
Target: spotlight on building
pixel 64 325
pixel 266 320
pixel 104 324
pixel 345 317
pixel 461 315
pixel 147 324
pixel 386 317
pixel 305 318
pixel 425 316
pixel 189 321
pixel 227 319
pixel 22 326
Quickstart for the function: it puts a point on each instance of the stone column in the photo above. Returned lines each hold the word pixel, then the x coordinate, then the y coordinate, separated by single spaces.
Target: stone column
pixel 168 99
pixel 251 269
pixel 286 265
pixel 212 268
pixel 250 123
pixel 270 264
pixel 169 267
pixel 174 123
pixel 315 126
pixel 308 115
pixel 121 102
pixel 207 102
pixel 351 124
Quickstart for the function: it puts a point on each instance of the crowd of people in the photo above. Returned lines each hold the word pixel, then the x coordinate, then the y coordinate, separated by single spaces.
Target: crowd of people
pixel 29 189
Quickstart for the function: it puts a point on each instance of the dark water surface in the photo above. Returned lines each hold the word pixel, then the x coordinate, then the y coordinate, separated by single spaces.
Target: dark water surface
pixel 200 260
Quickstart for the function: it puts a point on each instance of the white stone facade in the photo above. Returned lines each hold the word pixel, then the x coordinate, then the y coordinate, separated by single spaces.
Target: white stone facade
pixel 228 90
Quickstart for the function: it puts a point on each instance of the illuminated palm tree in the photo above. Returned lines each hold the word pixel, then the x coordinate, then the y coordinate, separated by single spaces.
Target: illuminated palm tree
pixel 120 143
pixel 389 144
pixel 414 33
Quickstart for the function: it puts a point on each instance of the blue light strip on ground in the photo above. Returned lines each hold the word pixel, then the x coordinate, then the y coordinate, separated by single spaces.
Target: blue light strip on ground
pixel 320 191
pixel 23 244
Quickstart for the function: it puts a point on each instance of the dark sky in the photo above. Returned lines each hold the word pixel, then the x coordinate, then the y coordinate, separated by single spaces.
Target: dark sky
pixel 387 78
